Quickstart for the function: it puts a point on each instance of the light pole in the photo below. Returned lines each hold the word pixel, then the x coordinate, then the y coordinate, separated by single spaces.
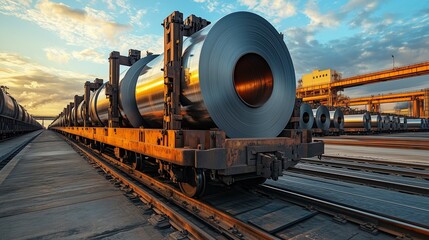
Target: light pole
pixel 393 61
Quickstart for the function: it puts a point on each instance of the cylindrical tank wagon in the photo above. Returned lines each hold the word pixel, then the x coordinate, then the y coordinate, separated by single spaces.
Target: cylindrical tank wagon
pixel 14 119
pixel 237 94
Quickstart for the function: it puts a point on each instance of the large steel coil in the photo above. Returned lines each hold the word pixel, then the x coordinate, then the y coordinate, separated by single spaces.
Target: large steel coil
pixel 322 119
pixel 337 119
pixel 306 118
pixel 415 123
pixel 358 121
pixel 376 121
pixel 385 122
pixel 394 123
pixel 403 123
pixel 239 77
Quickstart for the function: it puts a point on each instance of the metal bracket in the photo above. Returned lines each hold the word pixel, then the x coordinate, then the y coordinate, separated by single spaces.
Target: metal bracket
pixel 269 165
pixel 89 87
pixel 77 100
pixel 112 88
pixel 174 30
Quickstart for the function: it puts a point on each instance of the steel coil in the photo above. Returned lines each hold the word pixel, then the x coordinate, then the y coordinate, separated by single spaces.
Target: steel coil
pixel 358 121
pixel 337 119
pixel 239 77
pixel 416 123
pixel 322 119
pixel 403 123
pixel 376 122
pixel 306 118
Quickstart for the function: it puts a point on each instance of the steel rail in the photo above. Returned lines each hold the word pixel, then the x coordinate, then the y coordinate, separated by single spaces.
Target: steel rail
pixel 366 167
pixel 221 221
pixel 380 162
pixel 362 180
pixel 366 220
pixel 148 197
pixel 422 145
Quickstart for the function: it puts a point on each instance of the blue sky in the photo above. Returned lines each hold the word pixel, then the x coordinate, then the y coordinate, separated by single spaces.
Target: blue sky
pixel 49 48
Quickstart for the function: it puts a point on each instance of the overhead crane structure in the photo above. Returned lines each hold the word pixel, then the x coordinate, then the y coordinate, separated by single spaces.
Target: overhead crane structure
pixel 417 99
pixel 328 93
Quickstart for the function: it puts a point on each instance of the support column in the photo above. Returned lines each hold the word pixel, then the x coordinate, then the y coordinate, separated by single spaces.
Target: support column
pixel 421 109
pixel 416 108
pixel 426 103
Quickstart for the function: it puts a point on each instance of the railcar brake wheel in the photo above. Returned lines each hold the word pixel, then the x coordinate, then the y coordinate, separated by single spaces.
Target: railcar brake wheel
pixel 196 186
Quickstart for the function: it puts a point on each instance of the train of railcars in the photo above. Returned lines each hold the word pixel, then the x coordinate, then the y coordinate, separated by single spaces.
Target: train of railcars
pixel 214 107
pixel 14 119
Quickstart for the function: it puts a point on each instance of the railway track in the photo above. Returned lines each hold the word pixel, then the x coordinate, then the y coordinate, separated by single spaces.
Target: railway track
pixel 221 224
pixel 368 221
pixel 379 142
pixel 365 180
pixel 375 166
pixel 238 212
pixel 409 165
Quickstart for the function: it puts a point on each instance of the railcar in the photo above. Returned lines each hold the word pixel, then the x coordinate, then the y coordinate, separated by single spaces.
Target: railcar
pixel 14 119
pixel 212 107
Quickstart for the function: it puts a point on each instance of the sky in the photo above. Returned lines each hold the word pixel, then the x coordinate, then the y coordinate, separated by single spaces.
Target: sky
pixel 49 48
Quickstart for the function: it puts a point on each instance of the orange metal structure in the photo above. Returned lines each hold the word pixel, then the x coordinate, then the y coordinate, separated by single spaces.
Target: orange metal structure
pixel 418 99
pixel 327 93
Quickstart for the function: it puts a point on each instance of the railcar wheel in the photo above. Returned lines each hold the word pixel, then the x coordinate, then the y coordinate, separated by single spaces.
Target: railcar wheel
pixel 196 186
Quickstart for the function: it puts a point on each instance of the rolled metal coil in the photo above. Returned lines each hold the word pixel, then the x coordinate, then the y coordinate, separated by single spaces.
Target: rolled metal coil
pixel 322 119
pixel 358 121
pixel 394 123
pixel 385 122
pixel 337 119
pixel 415 123
pixel 376 122
pixel 306 118
pixel 239 77
pixel 403 123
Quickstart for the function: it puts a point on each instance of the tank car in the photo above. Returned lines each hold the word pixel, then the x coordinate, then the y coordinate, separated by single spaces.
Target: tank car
pixel 14 119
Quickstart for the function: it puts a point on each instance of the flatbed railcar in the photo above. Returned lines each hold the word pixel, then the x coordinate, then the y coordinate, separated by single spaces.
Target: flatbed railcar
pixel 215 107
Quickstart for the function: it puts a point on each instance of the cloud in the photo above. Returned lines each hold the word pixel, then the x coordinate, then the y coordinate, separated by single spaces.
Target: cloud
pixel 57 55
pixel 89 55
pixel 34 85
pixel 80 27
pixel 216 5
pixel 41 90
pixel 277 10
pixel 88 28
pixel 317 20
pixel 363 52
pixel 136 19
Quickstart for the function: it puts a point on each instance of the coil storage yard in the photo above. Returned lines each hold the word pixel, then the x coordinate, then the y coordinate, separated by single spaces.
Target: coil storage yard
pixel 239 77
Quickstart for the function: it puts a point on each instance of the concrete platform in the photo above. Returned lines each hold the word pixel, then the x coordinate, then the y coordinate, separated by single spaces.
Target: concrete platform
pixel 49 191
pixel 7 147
